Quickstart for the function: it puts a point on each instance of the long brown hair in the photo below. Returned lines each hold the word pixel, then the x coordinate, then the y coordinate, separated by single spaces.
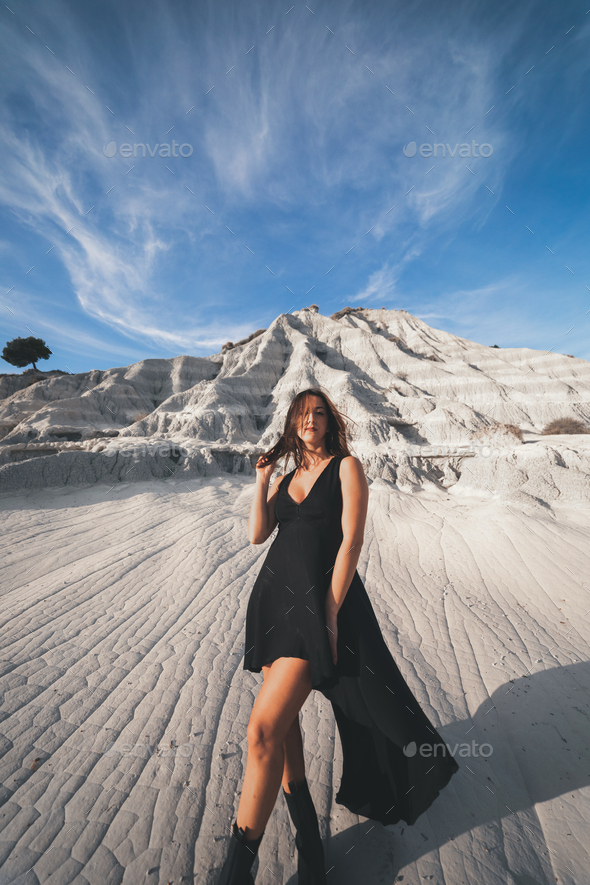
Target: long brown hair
pixel 290 444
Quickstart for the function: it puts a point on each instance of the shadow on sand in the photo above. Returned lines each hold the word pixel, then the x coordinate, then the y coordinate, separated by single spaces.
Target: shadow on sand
pixel 537 727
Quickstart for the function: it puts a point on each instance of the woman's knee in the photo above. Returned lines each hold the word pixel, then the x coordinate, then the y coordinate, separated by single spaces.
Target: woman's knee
pixel 264 736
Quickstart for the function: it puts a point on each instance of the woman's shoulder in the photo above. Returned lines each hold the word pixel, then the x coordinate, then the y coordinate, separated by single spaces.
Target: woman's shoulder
pixel 349 460
pixel 350 466
pixel 274 487
pixel 277 480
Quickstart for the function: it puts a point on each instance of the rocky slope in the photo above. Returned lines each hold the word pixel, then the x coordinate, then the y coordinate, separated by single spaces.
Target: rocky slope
pixel 416 397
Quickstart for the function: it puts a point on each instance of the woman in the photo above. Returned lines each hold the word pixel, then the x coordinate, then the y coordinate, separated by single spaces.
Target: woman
pixel 310 625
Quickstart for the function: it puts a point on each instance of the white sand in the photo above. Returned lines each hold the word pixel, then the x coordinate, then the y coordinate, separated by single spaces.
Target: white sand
pixel 125 705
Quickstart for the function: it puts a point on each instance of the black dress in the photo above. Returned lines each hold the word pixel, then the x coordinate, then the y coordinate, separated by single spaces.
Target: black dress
pixel 387 774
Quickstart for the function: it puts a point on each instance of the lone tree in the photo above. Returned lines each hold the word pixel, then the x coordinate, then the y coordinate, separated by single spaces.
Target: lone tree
pixel 21 351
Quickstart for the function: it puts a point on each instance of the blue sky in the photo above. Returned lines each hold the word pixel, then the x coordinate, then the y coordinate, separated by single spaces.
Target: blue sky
pixel 295 119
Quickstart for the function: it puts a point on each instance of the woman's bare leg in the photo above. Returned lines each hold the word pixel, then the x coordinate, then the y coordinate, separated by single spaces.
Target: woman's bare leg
pixel 287 684
pixel 294 767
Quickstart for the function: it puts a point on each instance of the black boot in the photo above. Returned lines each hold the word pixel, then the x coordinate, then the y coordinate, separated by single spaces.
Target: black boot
pixel 310 860
pixel 240 857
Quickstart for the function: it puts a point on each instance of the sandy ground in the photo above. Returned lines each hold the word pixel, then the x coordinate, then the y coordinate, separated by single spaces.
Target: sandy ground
pixel 125 705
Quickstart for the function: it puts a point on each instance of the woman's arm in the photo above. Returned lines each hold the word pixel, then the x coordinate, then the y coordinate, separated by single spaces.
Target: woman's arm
pixel 262 521
pixel 355 500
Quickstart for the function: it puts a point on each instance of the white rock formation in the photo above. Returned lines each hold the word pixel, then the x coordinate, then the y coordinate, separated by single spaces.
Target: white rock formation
pixel 404 385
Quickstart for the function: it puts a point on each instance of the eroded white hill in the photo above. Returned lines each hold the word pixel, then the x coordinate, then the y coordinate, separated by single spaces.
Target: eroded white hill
pixel 403 384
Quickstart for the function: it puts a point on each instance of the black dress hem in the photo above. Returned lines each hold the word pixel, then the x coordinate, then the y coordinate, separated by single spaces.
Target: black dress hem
pixel 257 669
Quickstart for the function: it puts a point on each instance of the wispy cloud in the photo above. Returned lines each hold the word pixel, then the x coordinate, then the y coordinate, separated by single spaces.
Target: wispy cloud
pixel 380 285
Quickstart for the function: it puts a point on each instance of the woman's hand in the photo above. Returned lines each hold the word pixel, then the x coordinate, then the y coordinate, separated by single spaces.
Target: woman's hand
pixel 264 470
pixel 332 625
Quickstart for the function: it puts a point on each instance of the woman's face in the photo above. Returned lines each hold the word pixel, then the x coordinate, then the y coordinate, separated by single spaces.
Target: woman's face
pixel 314 422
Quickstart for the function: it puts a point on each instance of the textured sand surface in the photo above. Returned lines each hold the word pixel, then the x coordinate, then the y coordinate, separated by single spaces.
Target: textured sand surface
pixel 124 708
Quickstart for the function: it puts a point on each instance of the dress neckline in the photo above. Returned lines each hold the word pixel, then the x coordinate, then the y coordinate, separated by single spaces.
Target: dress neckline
pixel 298 503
